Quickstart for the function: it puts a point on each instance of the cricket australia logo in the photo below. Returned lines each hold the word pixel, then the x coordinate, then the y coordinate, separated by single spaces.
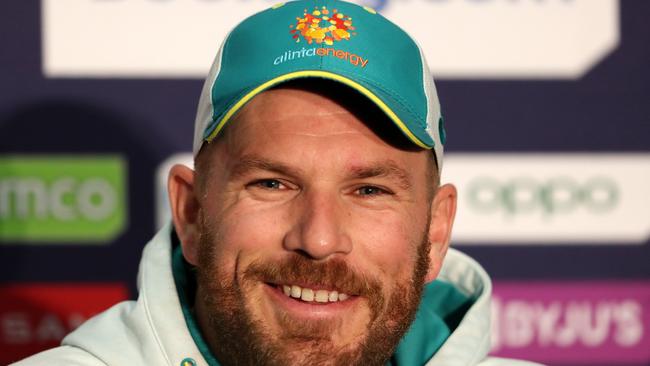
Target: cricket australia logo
pixel 322 26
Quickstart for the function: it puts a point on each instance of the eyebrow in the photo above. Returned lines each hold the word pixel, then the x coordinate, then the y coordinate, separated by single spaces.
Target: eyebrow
pixel 388 169
pixel 250 163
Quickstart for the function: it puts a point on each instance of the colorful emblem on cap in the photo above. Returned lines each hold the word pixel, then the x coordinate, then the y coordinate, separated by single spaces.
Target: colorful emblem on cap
pixel 322 26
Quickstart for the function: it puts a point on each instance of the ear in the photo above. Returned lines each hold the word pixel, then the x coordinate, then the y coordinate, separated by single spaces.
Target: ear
pixel 185 209
pixel 443 211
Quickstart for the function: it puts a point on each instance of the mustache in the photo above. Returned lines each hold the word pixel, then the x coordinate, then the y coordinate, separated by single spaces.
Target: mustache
pixel 333 274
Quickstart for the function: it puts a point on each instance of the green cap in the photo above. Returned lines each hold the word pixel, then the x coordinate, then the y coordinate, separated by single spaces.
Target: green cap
pixel 327 39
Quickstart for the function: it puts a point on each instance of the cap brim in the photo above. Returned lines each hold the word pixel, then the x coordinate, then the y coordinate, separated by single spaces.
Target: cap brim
pixel 374 94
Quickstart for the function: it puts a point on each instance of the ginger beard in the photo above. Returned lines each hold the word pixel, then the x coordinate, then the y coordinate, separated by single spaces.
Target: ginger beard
pixel 245 340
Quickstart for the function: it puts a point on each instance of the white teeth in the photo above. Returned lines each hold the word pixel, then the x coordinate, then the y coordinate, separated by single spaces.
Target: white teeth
pixel 321 296
pixel 295 291
pixel 334 296
pixel 309 295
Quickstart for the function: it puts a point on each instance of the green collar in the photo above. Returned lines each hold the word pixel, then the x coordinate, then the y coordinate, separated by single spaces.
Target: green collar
pixel 440 312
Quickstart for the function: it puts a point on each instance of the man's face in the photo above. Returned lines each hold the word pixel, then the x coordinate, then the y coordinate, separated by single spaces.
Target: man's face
pixel 313 236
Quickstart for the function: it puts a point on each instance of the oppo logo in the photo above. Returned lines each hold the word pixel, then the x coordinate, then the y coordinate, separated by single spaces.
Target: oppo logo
pixel 552 196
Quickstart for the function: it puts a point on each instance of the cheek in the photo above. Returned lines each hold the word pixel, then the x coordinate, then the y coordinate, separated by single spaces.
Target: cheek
pixel 247 232
pixel 388 242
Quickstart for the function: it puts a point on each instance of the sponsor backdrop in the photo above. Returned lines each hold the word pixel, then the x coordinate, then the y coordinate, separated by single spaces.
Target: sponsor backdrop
pixel 547 104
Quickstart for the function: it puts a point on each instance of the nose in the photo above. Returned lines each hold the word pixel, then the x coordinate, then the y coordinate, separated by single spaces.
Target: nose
pixel 319 229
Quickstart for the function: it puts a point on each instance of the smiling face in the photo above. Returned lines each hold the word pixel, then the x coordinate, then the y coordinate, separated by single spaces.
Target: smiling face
pixel 312 236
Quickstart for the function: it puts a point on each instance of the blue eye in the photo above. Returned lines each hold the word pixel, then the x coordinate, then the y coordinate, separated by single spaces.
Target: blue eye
pixel 370 191
pixel 269 184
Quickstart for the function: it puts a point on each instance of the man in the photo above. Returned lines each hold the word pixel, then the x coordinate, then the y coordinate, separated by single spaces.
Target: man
pixel 314 228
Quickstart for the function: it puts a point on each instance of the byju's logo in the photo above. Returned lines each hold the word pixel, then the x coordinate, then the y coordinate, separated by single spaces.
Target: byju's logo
pixel 572 323
pixel 62 199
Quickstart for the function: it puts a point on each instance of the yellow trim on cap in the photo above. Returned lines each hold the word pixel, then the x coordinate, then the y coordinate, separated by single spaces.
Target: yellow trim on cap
pixel 321 74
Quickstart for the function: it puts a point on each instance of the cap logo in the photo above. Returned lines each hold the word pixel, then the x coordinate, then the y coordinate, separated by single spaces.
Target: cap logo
pixel 322 26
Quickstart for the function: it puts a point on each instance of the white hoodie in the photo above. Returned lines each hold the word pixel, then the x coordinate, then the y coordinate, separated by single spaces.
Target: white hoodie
pixel 154 331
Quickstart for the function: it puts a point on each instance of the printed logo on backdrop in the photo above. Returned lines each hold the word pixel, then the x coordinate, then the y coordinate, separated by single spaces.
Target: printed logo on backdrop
pixel 461 38
pixel 548 198
pixel 551 198
pixel 62 199
pixel 35 317
pixel 586 323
